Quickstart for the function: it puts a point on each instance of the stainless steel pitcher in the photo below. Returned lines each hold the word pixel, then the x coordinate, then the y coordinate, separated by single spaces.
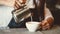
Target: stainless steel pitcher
pixel 21 14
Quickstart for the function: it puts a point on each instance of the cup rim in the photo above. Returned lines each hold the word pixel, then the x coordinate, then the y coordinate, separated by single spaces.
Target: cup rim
pixel 33 22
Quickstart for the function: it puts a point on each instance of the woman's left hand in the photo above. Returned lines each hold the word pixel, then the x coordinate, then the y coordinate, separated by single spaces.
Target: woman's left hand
pixel 45 25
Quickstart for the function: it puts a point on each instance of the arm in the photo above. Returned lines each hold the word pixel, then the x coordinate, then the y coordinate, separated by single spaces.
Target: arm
pixel 7 2
pixel 48 20
pixel 48 15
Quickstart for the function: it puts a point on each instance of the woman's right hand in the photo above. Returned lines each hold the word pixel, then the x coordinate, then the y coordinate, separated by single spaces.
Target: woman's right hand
pixel 18 3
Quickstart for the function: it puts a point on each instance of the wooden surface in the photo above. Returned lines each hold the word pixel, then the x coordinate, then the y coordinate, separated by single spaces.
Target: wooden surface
pixel 18 31
pixel 54 30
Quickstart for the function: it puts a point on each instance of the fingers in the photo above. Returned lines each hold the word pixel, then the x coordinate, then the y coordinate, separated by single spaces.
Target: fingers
pixel 17 4
pixel 45 25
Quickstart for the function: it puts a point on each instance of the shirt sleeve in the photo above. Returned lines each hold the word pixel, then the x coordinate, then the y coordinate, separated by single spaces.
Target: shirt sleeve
pixel 48 13
pixel 30 4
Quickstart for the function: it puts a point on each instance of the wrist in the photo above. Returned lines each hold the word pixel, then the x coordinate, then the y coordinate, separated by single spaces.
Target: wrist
pixel 49 20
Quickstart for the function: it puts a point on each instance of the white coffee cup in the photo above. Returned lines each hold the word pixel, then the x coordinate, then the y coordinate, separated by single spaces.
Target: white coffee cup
pixel 32 26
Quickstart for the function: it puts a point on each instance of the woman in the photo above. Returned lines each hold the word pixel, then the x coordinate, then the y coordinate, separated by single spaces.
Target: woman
pixel 41 9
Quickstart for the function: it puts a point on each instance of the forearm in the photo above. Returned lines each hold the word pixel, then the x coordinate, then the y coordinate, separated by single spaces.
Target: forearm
pixel 48 15
pixel 7 2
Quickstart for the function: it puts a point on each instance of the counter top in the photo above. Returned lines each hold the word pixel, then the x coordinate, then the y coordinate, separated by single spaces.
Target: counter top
pixel 54 30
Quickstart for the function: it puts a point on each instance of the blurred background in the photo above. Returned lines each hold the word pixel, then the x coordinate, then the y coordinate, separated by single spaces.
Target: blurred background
pixel 6 7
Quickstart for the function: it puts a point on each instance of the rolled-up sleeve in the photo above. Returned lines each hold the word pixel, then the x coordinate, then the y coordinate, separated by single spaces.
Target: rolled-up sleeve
pixel 48 14
pixel 30 4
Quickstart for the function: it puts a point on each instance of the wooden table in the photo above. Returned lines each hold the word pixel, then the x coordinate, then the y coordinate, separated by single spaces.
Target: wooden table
pixel 54 30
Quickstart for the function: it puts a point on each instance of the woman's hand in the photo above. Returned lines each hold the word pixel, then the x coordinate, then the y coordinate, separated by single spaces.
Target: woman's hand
pixel 46 24
pixel 19 3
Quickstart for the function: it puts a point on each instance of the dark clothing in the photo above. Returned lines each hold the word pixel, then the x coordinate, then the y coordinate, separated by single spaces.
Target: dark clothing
pixel 13 24
pixel 51 4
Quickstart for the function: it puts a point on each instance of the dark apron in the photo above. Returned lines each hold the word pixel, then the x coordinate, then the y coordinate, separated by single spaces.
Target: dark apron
pixel 13 24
